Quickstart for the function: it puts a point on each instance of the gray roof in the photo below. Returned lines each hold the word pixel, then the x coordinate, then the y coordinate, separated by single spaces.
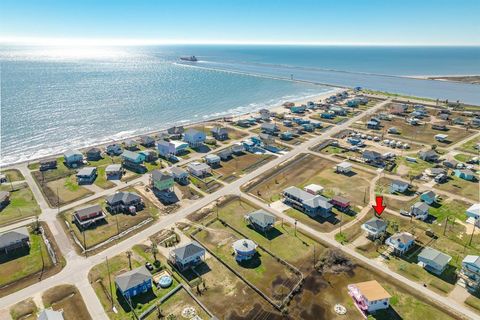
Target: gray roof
pixel 198 166
pixel 269 126
pixel 94 150
pixel 402 237
pixel 113 167
pixel 262 217
pixel 12 236
pixel 124 197
pixel 132 278
pixel 371 154
pixel 471 259
pixel 71 152
pixel 4 195
pixel 161 176
pixel 438 257
pixel 49 314
pixel 400 183
pixel 429 194
pixel 428 154
pixel 376 223
pixel 309 199
pixel 219 130
pixel 192 131
pixel 130 143
pixel 212 157
pixel 422 206
pixel 177 171
pixel 82 212
pixel 130 154
pixel 189 250
pixel 244 245
pixel 86 171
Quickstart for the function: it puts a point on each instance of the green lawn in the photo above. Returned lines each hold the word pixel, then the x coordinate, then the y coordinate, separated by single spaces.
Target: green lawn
pixel 22 204
pixel 468 189
pixel 470 146
pixel 13 175
pixel 462 157
pixel 102 181
pixel 412 168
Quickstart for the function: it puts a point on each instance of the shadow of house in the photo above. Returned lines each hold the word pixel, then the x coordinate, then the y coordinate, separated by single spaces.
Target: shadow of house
pixel 252 263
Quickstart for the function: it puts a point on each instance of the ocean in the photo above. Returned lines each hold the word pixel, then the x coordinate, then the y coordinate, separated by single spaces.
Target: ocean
pixel 56 98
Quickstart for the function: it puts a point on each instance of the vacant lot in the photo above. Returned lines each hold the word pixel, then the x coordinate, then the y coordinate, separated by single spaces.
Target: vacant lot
pixel 22 204
pixel 406 168
pixel 113 224
pixel 68 299
pixel 237 166
pixel 233 134
pixel 13 175
pixel 24 310
pixel 455 185
pixel 470 146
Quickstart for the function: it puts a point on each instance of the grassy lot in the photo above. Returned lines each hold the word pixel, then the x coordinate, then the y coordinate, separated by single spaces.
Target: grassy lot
pixel 473 302
pixel 119 264
pixel 101 179
pixel 113 225
pixel 22 204
pixel 24 263
pixel 306 169
pixel 321 224
pixel 406 168
pixel 263 270
pixel 63 191
pixel 237 166
pixel 353 232
pixel 66 298
pixel 463 157
pixel 470 146
pixel 468 189
pixel 101 165
pixel 24 310
pixel 13 175
pixel 208 184
pixel 233 134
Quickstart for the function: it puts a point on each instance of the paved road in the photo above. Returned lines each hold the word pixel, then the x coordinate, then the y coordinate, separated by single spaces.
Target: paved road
pixel 76 271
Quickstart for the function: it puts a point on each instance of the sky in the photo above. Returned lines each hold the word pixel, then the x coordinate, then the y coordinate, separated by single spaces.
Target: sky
pixel 377 22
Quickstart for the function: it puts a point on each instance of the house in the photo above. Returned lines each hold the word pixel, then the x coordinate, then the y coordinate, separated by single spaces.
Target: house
pixel 398 186
pixel 429 197
pixel 198 169
pixel 244 249
pixel 312 205
pixel 465 174
pixel 433 260
pixel 470 273
pixel 179 175
pixel 441 137
pixel 327 115
pixel 249 144
pixel 4 199
pixel 130 144
pixel 238 148
pixel 219 133
pixel 373 124
pixel 419 210
pixel 114 171
pixel 261 220
pixel 298 109
pixel 187 256
pixel 86 216
pixel 114 149
pixel 243 123
pixel 340 203
pixel 133 157
pixel 434 172
pixel 375 228
pixel 14 239
pixel 94 154
pixel 170 148
pixel 270 128
pixel 372 156
pixel 264 114
pixel 147 141
pixel 450 164
pixel 338 110
pixel 429 156
pixel 393 130
pixel 194 138
pixel 3 178
pixel 313 189
pixel 48 164
pixel 176 131
pixel 212 160
pixel 73 158
pixel 86 175
pixel 287 123
pixel 308 127
pixel 126 202
pixel 287 135
pixel 398 109
pixel 50 314
pixel 473 212
pixel 439 126
pixel 134 282
pixel 400 242
pixel 225 154
pixel 150 155
pixel 369 296
pixel 353 103
pixel 343 167
pixel 265 138
pixel 161 181
pixel 441 178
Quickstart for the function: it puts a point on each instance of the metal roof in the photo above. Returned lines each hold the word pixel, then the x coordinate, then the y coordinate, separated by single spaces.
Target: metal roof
pixel 189 250
pixel 132 278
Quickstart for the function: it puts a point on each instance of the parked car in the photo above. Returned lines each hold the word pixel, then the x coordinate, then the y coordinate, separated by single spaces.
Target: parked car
pixel 149 266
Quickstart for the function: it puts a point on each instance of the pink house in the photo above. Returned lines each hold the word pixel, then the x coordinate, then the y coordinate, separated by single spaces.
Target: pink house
pixel 369 296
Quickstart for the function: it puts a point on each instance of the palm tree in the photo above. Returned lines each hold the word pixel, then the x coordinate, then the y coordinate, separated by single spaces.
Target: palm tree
pixel 129 256
pixel 154 250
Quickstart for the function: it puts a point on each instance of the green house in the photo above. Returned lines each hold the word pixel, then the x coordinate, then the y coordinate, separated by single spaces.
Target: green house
pixel 161 181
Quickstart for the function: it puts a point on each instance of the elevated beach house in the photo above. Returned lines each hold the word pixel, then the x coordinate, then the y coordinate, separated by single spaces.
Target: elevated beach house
pixel 369 296
pixel 199 169
pixel 433 260
pixel 94 154
pixel 86 175
pixel 176 132
pixel 48 164
pixel 400 242
pixel 270 128
pixel 473 213
pixel 429 156
pixel 314 188
pixel 470 273
pixel 187 256
pixel 133 283
pixel 371 156
pixel 124 202
pixel 212 160
pixel 114 149
pixel 375 228
pixel 147 141
pixel 86 216
pixel 398 186
pixel 133 160
pixel 194 137
pixel 161 181
pixel 114 171
pixel 244 249
pixel 312 205
pixel 180 175
pixel 14 239
pixel 429 197
pixel 130 144
pixel 465 174
pixel 171 148
pixel 260 220
pixel 73 158
pixel 341 203
pixel 219 133
pixel 419 210
pixel 343 167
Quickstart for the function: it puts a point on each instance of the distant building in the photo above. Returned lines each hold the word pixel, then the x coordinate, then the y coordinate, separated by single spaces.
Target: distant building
pixel 343 167
pixel 419 210
pixel 94 154
pixel 314 189
pixel 398 186
pixel 114 171
pixel 14 239
pixel 147 141
pixel 429 156
pixel 219 133
pixel 473 212
pixel 465 174
pixel 179 175
pixel 212 160
pixel 130 144
pixel 187 256
pixel 261 220
pixel 86 175
pixel 270 128
pixel 126 202
pixel 114 149
pixel 194 138
pixel 312 205
pixel 369 296
pixel 400 243
pixel 133 283
pixel 470 273
pixel 375 228
pixel 441 137
pixel 199 169
pixel 433 260
pixel 48 164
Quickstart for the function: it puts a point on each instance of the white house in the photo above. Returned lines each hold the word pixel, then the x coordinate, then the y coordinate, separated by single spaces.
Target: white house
pixel 194 137
pixel 343 167
pixel 369 296
pixel 198 169
pixel 313 188
pixel 473 213
pixel 441 137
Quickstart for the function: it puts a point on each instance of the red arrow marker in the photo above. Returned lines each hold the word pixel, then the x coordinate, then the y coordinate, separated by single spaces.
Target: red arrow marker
pixel 379 207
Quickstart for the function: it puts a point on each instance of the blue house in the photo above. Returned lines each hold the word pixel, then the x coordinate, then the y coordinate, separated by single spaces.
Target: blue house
pixel 352 103
pixel 194 137
pixel 249 145
pixel 354 141
pixel 187 256
pixel 133 283
pixel 170 148
pixel 73 158
pixel 398 186
pixel 429 197
pixel 373 124
pixel 308 127
pixel 327 115
pixel 298 109
pixel 86 175
pixel 465 174
pixel 269 128
pixel 287 135
pixel 133 157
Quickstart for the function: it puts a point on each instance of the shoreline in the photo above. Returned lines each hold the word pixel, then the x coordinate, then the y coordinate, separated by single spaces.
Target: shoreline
pixel 274 108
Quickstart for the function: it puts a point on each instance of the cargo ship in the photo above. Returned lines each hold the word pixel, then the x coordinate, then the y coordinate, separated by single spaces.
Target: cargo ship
pixel 190 58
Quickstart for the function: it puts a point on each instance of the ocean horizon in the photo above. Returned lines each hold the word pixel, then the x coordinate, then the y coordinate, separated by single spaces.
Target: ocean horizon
pixel 54 98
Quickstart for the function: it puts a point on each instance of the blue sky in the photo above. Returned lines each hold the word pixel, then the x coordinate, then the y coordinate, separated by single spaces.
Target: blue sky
pixel 417 22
